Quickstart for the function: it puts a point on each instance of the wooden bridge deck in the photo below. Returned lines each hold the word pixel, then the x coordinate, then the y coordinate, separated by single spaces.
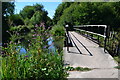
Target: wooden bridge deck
pixel 102 63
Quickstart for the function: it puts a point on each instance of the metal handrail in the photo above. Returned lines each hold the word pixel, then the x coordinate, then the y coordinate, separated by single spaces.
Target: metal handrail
pixel 91 32
pixel 86 26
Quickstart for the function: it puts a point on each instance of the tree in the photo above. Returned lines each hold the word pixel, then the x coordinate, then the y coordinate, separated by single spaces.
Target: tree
pixel 36 18
pixel 59 11
pixel 39 17
pixel 49 21
pixel 88 13
pixel 34 14
pixel 15 20
pixel 38 7
pixel 7 10
pixel 27 12
pixel 116 20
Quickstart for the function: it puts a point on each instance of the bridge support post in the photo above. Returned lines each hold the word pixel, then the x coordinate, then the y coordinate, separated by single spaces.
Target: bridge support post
pixel 98 36
pixel 118 49
pixel 68 37
pixel 106 33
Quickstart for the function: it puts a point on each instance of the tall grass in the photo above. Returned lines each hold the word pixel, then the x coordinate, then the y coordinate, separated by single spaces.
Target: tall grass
pixel 37 63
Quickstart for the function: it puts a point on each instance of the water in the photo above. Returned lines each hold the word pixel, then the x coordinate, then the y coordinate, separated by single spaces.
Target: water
pixel 21 49
pixel 51 47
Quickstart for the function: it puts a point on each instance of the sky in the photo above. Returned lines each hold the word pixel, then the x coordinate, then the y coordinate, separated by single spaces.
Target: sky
pixel 49 6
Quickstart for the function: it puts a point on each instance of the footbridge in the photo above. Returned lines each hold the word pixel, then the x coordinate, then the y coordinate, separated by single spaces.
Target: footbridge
pixel 86 47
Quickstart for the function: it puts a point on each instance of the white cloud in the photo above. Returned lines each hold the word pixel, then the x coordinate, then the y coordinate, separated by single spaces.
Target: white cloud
pixel 51 13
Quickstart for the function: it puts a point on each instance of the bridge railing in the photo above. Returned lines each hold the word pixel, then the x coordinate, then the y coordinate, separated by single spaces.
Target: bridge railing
pixel 96 33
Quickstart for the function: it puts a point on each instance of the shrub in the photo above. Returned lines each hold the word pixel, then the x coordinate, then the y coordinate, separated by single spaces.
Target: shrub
pixel 44 66
pixel 58 30
pixel 58 33
pixel 37 63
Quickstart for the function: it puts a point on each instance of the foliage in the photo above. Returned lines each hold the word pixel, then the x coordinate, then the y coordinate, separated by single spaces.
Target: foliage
pixel 58 33
pixel 58 30
pixel 118 67
pixel 49 21
pixel 15 20
pixel 59 11
pixel 7 10
pixel 88 13
pixel 27 12
pixel 77 69
pixel 29 16
pixel 32 67
pixel 117 58
pixel 70 68
pixel 37 63
pixel 112 43
pixel 34 15
pixel 38 17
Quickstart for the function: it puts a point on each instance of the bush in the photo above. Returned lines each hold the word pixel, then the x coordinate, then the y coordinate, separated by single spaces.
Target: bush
pixel 44 66
pixel 58 33
pixel 58 30
pixel 37 63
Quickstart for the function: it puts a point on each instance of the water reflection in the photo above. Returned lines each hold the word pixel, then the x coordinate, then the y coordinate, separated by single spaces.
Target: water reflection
pixel 51 47
pixel 21 50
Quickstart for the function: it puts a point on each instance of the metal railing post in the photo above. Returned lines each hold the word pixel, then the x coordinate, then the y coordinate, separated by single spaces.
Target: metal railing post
pixel 98 36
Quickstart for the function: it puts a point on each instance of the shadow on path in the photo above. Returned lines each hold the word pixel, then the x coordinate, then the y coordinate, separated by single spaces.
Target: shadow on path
pixel 82 45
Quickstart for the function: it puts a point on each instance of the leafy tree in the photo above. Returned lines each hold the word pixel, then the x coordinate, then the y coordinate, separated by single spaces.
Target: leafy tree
pixel 34 14
pixel 49 21
pixel 38 17
pixel 7 10
pixel 116 20
pixel 107 13
pixel 67 16
pixel 59 11
pixel 27 21
pixel 27 12
pixel 15 20
pixel 70 15
pixel 88 13
pixel 38 7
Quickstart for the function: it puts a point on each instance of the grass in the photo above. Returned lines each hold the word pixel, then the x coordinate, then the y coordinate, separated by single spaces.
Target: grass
pixel 77 69
pixel 117 58
pixel 118 67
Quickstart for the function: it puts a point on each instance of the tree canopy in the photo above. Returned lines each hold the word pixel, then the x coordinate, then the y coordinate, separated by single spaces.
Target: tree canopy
pixel 59 11
pixel 79 13
pixel 35 14
pixel 7 10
